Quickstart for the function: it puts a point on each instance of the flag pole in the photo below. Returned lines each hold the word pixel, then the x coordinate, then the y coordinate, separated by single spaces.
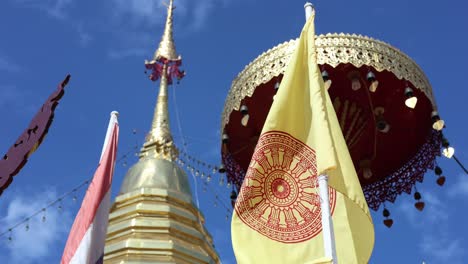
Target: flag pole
pixel 327 222
pixel 309 9
pixel 113 120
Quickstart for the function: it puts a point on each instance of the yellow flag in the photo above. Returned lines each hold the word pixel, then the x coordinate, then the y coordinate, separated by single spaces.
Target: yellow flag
pixel 277 215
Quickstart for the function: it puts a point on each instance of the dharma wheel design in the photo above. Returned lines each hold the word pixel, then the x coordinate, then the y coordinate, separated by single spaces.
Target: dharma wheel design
pixel 383 101
pixel 279 198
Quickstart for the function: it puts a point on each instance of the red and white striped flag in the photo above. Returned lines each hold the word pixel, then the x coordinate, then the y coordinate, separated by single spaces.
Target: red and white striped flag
pixel 85 243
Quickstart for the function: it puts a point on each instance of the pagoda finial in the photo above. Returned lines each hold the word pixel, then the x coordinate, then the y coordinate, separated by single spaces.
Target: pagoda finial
pixel 165 65
pixel 166 49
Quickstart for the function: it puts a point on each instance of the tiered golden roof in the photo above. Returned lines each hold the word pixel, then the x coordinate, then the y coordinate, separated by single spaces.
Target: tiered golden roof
pixel 154 219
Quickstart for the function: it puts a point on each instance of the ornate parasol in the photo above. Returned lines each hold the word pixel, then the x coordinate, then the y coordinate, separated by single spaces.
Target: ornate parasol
pixel 382 98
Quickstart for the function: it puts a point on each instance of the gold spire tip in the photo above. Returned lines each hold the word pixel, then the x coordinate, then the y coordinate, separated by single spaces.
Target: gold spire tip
pixel 166 49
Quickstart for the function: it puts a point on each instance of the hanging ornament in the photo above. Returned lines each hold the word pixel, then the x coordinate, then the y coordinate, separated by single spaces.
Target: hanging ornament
pixel 437 123
pixel 447 150
pixel 43 215
pixel 221 181
pixel 410 100
pixel 60 206
pixel 233 197
pixel 374 83
pixel 326 79
pixel 222 169
pixel 10 235
pixel 74 198
pixel 245 115
pixel 277 85
pixel 208 178
pixel 440 178
pixel 419 204
pixel 387 221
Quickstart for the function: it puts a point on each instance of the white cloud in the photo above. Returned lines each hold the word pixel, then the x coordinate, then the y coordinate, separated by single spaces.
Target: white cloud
pixel 459 188
pixel 139 17
pixel 60 10
pixel 83 36
pixel 149 12
pixel 33 245
pixel 442 248
pixel 54 8
pixel 139 11
pixel 437 244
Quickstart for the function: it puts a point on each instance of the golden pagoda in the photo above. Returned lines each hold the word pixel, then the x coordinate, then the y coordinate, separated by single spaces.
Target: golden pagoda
pixel 154 219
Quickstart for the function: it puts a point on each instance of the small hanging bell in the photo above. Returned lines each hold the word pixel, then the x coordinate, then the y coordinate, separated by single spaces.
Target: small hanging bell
pixel 388 222
pixel 222 169
pixel 440 178
pixel 419 204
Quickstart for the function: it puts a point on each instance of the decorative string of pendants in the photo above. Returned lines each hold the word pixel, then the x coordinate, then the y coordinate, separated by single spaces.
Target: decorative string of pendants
pixel 204 171
pixel 42 212
pixel 448 152
pixel 58 203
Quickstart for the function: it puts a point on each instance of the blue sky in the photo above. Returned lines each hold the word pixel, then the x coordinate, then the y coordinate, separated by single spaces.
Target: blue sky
pixel 103 44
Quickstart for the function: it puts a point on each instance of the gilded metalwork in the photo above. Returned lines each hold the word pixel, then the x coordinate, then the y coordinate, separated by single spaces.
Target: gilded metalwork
pixel 166 47
pixel 159 142
pixel 155 173
pixel 157 225
pixel 154 220
pixel 333 49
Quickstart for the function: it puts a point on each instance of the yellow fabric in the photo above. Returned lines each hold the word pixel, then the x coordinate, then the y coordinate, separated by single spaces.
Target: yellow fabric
pixel 303 109
pixel 321 261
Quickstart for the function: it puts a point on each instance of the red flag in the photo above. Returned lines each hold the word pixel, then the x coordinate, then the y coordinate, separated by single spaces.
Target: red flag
pixel 85 243
pixel 30 139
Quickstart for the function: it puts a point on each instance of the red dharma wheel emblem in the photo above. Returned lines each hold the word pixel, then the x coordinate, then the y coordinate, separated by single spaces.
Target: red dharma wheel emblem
pixel 279 197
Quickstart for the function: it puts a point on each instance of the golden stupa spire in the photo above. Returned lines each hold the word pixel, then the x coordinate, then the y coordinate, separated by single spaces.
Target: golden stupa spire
pixel 154 218
pixel 159 141
pixel 166 47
